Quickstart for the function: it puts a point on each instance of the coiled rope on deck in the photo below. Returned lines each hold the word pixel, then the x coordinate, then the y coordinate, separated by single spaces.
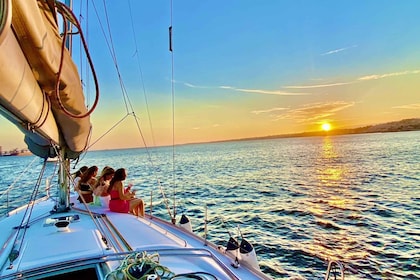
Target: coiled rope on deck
pixel 140 266
pixel 143 266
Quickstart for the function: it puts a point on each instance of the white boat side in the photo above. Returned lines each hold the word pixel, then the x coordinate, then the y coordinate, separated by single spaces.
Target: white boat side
pixel 99 239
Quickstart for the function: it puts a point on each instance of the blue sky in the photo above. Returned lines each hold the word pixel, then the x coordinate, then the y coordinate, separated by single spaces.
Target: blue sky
pixel 255 68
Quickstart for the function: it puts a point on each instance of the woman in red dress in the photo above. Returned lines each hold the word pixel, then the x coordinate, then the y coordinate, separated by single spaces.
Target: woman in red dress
pixel 123 200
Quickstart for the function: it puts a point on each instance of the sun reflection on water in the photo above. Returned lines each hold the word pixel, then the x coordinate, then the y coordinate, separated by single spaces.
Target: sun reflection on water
pixel 329 169
pixel 331 199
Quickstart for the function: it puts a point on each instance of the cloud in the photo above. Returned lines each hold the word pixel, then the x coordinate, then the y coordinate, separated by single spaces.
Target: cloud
pixel 263 91
pixel 376 76
pixel 338 50
pixel 414 106
pixel 192 86
pixel 292 87
pixel 315 111
pixel 257 112
pixel 257 91
pixel 360 79
pixel 319 86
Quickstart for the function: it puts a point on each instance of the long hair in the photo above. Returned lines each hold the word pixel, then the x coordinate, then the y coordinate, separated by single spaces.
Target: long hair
pixel 119 175
pixel 107 171
pixel 80 172
pixel 88 174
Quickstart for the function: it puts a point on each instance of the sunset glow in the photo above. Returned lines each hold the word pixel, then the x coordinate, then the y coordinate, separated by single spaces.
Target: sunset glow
pixel 326 127
pixel 326 79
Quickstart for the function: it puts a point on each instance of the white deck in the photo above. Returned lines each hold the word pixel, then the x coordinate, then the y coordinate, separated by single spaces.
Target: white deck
pixel 44 245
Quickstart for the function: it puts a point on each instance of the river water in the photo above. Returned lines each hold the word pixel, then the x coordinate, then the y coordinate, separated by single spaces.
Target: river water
pixel 299 201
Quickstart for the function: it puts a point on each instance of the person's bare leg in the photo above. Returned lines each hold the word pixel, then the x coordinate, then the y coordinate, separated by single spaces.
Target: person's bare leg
pixel 137 207
pixel 141 208
pixel 133 208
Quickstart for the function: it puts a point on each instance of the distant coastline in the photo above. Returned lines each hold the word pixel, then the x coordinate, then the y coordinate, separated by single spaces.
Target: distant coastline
pixel 15 152
pixel 396 126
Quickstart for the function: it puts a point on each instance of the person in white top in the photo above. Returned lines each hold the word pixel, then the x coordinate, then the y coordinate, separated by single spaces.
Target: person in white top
pixel 100 190
pixel 77 175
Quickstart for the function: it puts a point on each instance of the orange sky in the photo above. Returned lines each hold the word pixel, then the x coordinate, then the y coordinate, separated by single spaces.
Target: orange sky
pixel 249 74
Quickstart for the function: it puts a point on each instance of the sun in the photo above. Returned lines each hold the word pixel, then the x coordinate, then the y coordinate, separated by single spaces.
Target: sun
pixel 326 127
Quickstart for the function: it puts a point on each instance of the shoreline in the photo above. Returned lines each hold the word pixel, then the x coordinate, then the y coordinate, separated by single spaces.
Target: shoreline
pixel 405 125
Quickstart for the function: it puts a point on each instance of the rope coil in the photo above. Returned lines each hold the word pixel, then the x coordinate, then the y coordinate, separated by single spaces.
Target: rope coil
pixel 141 266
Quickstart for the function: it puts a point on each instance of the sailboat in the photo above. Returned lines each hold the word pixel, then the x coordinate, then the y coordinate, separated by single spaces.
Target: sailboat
pixel 57 237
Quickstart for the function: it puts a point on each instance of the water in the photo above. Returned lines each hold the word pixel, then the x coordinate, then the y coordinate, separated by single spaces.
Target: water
pixel 300 201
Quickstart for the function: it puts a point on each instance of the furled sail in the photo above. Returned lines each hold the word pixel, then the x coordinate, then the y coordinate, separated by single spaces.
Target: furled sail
pixel 30 57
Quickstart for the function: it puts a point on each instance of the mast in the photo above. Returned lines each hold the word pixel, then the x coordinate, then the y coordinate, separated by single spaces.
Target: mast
pixel 69 3
pixel 64 163
pixel 63 183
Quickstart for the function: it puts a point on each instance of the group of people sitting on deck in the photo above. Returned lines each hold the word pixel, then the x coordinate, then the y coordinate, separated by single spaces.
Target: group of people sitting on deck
pixel 107 190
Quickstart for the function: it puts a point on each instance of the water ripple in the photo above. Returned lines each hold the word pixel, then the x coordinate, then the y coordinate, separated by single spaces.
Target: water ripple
pixel 300 201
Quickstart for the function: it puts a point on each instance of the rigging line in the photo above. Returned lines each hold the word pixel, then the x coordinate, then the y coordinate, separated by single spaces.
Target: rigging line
pixel 111 49
pixel 165 200
pixel 114 55
pixel 171 49
pixel 82 66
pixel 80 46
pixel 110 44
pixel 141 74
pixel 173 106
pixel 108 131
pixel 59 162
pixel 48 101
pixel 28 211
pixel 91 215
pixel 18 178
pixel 147 152
pixel 124 91
pixel 143 86
pixel 39 122
pixel 127 101
pixel 85 148
pixel 69 15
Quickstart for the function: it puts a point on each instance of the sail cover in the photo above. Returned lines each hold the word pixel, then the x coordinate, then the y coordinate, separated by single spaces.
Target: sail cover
pixel 30 55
